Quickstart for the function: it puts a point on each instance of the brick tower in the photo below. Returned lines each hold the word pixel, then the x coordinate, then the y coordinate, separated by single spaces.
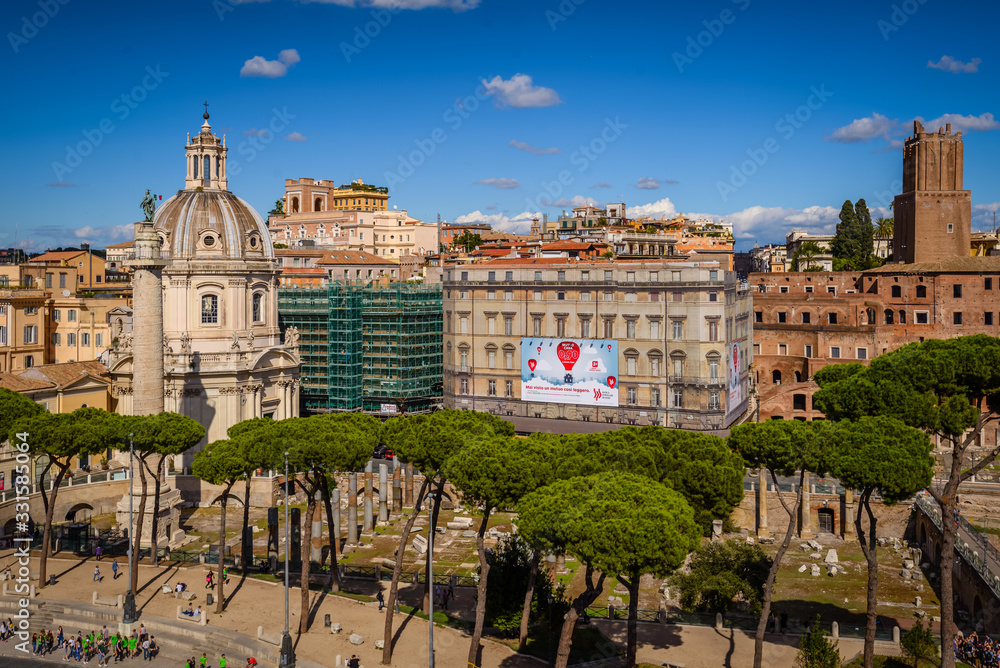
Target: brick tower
pixel 933 215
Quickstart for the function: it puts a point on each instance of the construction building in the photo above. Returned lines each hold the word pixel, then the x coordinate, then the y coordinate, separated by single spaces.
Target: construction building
pixel 367 347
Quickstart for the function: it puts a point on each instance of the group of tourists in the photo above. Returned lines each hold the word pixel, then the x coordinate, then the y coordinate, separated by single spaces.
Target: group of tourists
pixel 101 645
pixel 979 652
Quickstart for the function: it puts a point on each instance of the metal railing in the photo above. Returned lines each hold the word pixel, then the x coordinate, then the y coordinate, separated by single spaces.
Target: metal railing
pixel 976 559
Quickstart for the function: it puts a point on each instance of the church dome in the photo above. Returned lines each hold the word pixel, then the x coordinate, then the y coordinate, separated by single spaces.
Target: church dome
pixel 211 223
pixel 205 220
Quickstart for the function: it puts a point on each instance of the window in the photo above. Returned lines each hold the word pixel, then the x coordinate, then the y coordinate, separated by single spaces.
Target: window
pixel 491 325
pixel 585 295
pixel 676 296
pixel 609 296
pixel 654 364
pixel 62 280
pixel 921 291
pixel 508 389
pixel 508 295
pixel 491 294
pixel 782 348
pixel 956 291
pixel 508 325
pixel 630 329
pixel 509 276
pixel 758 316
pixel 655 396
pixel 957 317
pixel 631 365
pixel 713 330
pixel 988 318
pixel 584 275
pixel 561 276
pixel 85 339
pixel 633 398
pixel 654 276
pixel 538 276
pixel 57 315
pixel 897 292
pixel 988 283
pixel 71 315
pixel 538 295
pixel 508 359
pixel 561 296
pixel 491 359
pixel 608 276
pixel 678 328
pixel 463 325
pixel 713 369
pixel 71 339
pixel 491 276
pixel 713 400
pixel 464 386
pixel 798 402
pixel 3 335
pixel 536 326
pixel 257 304
pixel 55 338
pixel 561 327
pixel 609 328
pixel 675 276
pixel 920 317
pixel 808 351
pixel 32 310
pixel 654 329
pixel 713 275
pixel 678 398
pixel 31 333
pixel 782 316
pixel 832 289
pixel 99 340
pixel 809 289
pixel 492 388
pixel 29 361
pixel 713 296
pixel 678 364
pixel 832 318
pixel 862 353
pixel 48 281
pixel 805 318
pixel 209 309
pixel 654 296
pixel 465 276
pixel 630 297
pixel 783 289
pixel 630 276
pixel 889 319
pixel 951 228
pixel 463 356
pixel 835 352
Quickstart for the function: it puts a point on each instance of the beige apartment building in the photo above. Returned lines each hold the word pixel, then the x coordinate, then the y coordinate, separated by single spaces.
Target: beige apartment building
pixel 677 326
pixel 79 329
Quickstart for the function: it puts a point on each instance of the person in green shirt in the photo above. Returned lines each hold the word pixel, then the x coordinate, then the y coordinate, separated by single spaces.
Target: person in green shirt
pixel 203 660
pixel 222 661
pixel 131 646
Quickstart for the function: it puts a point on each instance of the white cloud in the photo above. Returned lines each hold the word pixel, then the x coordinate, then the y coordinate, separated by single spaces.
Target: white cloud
pixel 258 66
pixel 296 136
pixel 949 64
pixel 773 223
pixel 520 224
pixel 864 130
pixel 105 235
pixel 453 5
pixel 533 150
pixel 254 132
pixel 520 92
pixel 576 200
pixel 649 183
pixel 982 216
pixel 658 209
pixel 504 183
pixel 982 122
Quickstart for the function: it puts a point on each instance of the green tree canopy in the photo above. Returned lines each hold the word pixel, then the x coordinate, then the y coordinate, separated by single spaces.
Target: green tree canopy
pixel 854 243
pixel 15 406
pixel 719 572
pixel 428 441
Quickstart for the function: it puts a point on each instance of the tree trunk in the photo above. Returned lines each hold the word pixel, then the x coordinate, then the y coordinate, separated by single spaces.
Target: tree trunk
pixel 396 572
pixel 306 543
pixel 137 529
pixel 632 583
pixel 332 530
pixel 947 557
pixel 246 552
pixel 50 507
pixel 222 548
pixel 156 507
pixel 569 624
pixel 528 596
pixel 765 610
pixel 868 548
pixel 484 571
pixel 428 585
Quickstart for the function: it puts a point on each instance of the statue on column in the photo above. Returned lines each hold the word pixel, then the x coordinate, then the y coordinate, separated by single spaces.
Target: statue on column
pixel 148 206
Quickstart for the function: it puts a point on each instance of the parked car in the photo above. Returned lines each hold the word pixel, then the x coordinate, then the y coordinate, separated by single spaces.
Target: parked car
pixel 382 451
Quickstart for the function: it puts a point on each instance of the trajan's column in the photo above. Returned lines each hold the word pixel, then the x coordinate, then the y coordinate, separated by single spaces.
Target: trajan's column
pixel 147 318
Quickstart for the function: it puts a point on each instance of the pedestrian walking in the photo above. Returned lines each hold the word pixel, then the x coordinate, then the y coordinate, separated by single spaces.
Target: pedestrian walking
pixel 97 574
pixel 97 551
pixel 225 574
pixel 222 661
pixel 381 600
pixel 209 581
pixel 114 568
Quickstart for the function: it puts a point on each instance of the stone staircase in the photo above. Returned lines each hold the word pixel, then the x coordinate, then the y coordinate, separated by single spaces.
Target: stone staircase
pixel 178 639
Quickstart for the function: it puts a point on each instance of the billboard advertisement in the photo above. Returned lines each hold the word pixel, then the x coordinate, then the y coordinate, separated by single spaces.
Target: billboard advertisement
pixel 734 364
pixel 569 371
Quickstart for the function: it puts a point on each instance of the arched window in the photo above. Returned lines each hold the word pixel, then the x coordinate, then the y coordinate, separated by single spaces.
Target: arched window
pixel 798 376
pixel 209 309
pixel 295 205
pixel 776 377
pixel 902 317
pixel 257 304
pixel 888 317
pixel 208 167
pixel 318 204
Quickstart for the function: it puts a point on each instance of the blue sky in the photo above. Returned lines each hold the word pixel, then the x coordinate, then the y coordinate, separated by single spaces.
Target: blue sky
pixel 768 114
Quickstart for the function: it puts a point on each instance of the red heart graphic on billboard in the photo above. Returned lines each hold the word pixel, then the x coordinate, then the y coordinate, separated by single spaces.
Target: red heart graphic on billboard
pixel 611 382
pixel 532 364
pixel 568 353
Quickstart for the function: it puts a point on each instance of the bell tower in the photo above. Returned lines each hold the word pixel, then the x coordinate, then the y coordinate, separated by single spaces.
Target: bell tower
pixel 933 215
pixel 206 159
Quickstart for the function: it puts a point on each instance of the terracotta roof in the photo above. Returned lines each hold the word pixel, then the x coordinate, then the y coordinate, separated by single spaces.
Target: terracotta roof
pixel 573 245
pixel 61 375
pixel 352 258
pixel 526 261
pixel 958 265
pixel 124 244
pixel 303 270
pixel 300 252
pixel 57 256
pixel 15 383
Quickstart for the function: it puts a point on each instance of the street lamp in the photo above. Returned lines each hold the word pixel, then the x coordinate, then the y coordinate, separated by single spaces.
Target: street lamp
pixel 287 657
pixel 430 578
pixel 131 614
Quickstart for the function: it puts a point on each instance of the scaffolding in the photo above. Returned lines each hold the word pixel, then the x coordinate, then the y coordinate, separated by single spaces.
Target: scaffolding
pixel 367 347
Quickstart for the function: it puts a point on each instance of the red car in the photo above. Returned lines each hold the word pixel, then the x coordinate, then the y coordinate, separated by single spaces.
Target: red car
pixel 383 452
